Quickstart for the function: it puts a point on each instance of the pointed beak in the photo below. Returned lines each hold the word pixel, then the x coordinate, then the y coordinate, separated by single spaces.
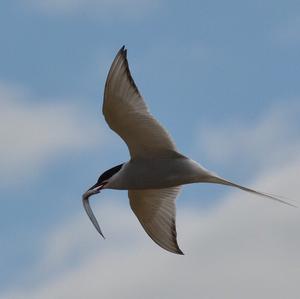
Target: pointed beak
pixel 86 204
pixel 95 189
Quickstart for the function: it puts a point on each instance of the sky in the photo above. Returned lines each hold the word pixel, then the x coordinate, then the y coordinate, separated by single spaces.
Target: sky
pixel 223 78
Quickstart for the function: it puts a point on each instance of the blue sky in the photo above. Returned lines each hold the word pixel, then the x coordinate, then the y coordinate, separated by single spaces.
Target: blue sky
pixel 222 76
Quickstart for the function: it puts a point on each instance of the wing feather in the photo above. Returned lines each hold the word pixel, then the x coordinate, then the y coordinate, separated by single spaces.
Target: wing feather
pixel 155 209
pixel 127 114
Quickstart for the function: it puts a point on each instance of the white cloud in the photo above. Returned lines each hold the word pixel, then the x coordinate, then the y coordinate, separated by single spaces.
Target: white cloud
pixel 273 138
pixel 76 237
pixel 106 9
pixel 246 248
pixel 34 132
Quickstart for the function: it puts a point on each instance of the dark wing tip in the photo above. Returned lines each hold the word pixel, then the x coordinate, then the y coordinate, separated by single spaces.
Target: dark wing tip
pixel 174 235
pixel 123 51
pixel 178 250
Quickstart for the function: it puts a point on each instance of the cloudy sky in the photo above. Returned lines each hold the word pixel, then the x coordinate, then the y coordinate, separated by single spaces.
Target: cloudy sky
pixel 222 76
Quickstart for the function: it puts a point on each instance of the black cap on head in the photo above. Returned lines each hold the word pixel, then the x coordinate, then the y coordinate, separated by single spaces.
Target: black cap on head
pixel 109 173
pixel 106 175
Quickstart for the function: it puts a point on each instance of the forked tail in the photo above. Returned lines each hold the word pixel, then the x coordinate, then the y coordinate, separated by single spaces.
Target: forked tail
pixel 218 180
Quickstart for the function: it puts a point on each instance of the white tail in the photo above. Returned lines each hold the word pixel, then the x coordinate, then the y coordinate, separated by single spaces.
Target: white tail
pixel 218 180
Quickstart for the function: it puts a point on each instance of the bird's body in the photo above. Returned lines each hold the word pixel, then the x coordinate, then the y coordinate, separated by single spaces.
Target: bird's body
pixel 158 173
pixel 156 170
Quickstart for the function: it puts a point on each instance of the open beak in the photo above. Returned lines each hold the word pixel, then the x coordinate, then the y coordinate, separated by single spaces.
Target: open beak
pixel 86 204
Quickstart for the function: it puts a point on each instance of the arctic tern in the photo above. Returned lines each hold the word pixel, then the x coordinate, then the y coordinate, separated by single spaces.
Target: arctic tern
pixel 156 170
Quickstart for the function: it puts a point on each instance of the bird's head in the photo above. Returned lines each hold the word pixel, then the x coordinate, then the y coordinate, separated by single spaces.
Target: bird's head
pixel 104 178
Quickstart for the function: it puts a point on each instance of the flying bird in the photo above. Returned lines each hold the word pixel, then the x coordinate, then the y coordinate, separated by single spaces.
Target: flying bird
pixel 156 170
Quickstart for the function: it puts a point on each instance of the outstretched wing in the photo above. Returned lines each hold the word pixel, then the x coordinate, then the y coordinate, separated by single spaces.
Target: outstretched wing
pixel 155 209
pixel 127 114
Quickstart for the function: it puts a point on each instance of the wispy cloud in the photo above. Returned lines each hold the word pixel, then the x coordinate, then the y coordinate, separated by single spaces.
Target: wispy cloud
pixel 34 132
pixel 248 247
pixel 123 9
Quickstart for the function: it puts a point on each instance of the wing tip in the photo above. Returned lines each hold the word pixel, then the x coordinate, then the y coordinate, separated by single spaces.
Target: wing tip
pixel 174 234
pixel 123 54
pixel 175 249
pixel 123 51
pixel 179 251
